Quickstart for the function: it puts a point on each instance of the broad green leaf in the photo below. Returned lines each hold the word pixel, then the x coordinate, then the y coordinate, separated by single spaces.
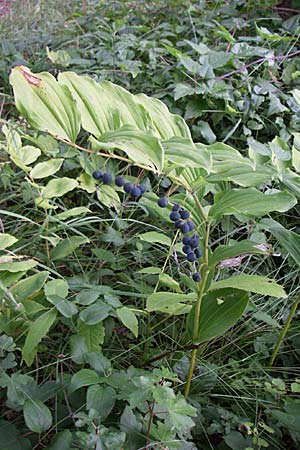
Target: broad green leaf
pixel 140 146
pixel 6 240
pixel 47 168
pixel 168 281
pixel 170 303
pixel 184 153
pixel 93 335
pixel 11 264
pixel 154 237
pixel 11 437
pixel 65 307
pixel 106 107
pixel 46 104
pixel 102 399
pixel 108 196
pixel 67 247
pixel 95 313
pixel 289 240
pixel 224 252
pixel 251 283
pixel 25 288
pixel 59 187
pixel 250 202
pixel 61 441
pixel 84 377
pixel 73 212
pixel 57 287
pixel 296 152
pixel 220 310
pixel 150 270
pixel 128 318
pixel 37 331
pixel 37 416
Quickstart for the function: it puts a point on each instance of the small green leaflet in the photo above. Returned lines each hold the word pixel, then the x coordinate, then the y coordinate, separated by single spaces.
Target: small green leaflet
pixel 37 331
pixel 170 303
pixel 59 187
pixel 47 168
pixel 67 247
pixel 6 240
pixel 128 318
pixel 37 416
pixel 154 237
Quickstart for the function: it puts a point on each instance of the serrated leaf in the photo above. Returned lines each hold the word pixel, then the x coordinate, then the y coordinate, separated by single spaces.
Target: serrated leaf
pixel 128 318
pixel 251 283
pixel 59 187
pixel 67 247
pixel 93 335
pixel 46 104
pixel 37 331
pixel 47 168
pixel 37 416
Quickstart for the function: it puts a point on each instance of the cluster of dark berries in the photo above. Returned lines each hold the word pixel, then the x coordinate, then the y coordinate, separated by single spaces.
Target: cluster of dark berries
pixel 181 218
pixel 135 191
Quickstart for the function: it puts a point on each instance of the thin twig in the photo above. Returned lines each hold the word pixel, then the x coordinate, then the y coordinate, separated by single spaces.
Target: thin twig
pixel 257 61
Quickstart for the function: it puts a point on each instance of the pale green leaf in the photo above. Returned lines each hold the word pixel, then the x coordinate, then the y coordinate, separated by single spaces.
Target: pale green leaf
pixel 65 307
pixel 223 252
pixel 250 202
pixel 140 146
pixel 128 318
pixel 47 168
pixel 184 153
pixel 25 288
pixel 154 237
pixel 168 281
pixel 73 212
pixel 37 331
pixel 10 264
pixel 251 283
pixel 108 196
pixel 46 104
pixel 59 187
pixel 57 287
pixel 170 303
pixel 6 240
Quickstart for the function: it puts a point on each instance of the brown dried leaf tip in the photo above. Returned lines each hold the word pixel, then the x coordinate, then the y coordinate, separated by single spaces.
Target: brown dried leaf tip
pixel 32 79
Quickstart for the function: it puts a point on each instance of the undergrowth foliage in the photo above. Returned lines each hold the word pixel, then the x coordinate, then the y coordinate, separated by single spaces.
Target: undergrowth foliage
pixel 139 255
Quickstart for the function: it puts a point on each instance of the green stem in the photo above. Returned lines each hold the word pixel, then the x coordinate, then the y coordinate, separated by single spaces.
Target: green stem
pixel 197 313
pixel 284 331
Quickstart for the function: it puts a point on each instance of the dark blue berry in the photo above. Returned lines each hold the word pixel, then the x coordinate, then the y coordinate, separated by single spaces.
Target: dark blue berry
pixel 119 181
pixel 135 192
pixel 97 174
pixel 184 214
pixel 185 228
pixel 191 225
pixel 198 252
pixel 196 277
pixel 174 216
pixel 176 208
pixel 178 223
pixel 186 249
pixel 128 187
pixel 194 241
pixel 162 202
pixel 107 178
pixel 143 188
pixel 186 240
pixel 191 257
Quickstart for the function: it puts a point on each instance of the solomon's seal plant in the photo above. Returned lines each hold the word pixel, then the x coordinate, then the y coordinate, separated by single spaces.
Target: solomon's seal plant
pixel 136 136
